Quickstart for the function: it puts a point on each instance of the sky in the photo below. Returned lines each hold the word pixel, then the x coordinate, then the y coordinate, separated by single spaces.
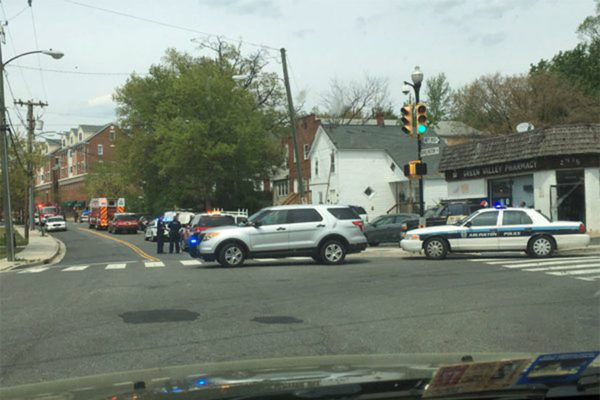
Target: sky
pixel 326 39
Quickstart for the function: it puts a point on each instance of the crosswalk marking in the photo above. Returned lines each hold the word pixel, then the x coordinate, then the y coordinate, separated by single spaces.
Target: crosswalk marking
pixel 525 260
pixel 588 278
pixel 190 262
pixel 33 270
pixel 154 264
pixel 75 268
pixel 577 266
pixel 116 266
pixel 578 272
pixel 544 263
pixel 483 259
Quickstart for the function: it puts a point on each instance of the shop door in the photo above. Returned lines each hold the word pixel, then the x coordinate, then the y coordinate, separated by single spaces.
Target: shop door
pixel 500 191
pixel 568 196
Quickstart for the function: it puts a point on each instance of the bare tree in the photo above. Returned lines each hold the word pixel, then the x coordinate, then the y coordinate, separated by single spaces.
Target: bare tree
pixel 355 100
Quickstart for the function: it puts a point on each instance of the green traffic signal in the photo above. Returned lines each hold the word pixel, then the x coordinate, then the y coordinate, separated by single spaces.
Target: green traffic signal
pixel 422 129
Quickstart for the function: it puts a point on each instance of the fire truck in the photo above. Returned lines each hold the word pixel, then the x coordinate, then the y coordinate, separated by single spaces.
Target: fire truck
pixel 45 210
pixel 102 210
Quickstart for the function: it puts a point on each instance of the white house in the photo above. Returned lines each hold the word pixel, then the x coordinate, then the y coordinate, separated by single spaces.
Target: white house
pixel 363 165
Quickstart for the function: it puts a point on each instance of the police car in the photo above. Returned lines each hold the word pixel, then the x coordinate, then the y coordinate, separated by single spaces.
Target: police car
pixel 498 229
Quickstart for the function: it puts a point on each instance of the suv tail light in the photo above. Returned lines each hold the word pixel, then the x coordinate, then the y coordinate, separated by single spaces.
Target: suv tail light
pixel 360 225
pixel 581 228
pixel 199 229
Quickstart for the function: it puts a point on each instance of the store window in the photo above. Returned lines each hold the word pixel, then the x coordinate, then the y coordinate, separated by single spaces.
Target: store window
pixel 568 196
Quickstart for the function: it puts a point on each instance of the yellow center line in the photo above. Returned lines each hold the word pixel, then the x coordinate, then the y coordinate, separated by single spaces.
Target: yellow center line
pixel 133 247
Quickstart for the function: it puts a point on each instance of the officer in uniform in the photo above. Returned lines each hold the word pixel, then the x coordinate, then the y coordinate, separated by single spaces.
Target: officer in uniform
pixel 174 227
pixel 160 236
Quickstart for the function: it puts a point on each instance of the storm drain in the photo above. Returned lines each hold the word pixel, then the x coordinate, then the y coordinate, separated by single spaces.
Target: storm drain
pixel 154 316
pixel 277 319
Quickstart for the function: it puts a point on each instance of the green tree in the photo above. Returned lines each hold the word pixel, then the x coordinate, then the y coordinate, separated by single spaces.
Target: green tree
pixel 439 98
pixel 198 138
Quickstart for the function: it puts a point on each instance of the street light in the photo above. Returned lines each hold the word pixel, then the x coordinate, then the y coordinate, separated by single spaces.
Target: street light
pixel 417 78
pixel 8 226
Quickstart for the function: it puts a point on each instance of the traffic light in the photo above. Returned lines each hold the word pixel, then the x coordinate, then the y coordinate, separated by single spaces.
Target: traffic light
pixel 407 119
pixel 421 111
pixel 415 169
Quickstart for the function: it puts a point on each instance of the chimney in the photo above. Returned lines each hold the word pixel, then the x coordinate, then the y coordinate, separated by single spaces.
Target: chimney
pixel 379 117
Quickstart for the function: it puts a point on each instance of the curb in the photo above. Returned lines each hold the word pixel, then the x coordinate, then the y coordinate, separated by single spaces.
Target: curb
pixel 56 257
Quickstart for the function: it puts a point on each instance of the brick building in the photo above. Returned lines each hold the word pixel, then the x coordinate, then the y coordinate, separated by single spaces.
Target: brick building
pixel 61 179
pixel 285 183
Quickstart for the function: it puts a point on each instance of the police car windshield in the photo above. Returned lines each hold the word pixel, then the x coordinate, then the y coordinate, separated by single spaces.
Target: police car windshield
pixel 465 219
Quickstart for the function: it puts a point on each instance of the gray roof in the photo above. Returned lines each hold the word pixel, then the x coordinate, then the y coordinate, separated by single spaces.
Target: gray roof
pixel 448 129
pixel 401 147
pixel 92 128
pixel 53 141
pixel 553 141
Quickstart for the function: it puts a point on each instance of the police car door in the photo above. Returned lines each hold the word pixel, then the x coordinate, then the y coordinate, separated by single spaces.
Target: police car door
pixel 481 232
pixel 515 230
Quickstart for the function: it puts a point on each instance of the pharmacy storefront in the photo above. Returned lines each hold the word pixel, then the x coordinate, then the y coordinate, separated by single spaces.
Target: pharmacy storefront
pixel 558 174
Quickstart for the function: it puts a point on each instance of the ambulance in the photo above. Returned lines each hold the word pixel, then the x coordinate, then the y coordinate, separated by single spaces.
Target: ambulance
pixel 102 209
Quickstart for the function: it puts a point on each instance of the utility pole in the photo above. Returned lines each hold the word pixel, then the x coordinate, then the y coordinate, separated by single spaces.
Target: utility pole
pixel 29 222
pixel 292 113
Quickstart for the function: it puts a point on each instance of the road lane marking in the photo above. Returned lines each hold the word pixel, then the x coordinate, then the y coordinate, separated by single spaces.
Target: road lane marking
pixel 485 259
pixel 136 249
pixel 564 259
pixel 577 266
pixel 579 272
pixel 590 279
pixel 123 383
pixel 542 264
pixel 75 268
pixel 154 264
pixel 190 262
pixel 116 266
pixel 33 270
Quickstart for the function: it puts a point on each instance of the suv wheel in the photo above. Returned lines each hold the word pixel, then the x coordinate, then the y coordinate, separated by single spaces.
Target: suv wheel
pixel 332 252
pixel 231 255
pixel 540 247
pixel 436 249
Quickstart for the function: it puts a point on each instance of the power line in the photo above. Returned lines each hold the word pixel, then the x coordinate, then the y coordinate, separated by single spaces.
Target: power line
pixel 63 71
pixel 11 135
pixel 12 95
pixel 17 14
pixel 12 43
pixel 37 46
pixel 167 25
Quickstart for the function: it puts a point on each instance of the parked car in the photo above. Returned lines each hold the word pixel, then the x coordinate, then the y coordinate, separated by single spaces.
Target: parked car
pixel 388 228
pixel 447 212
pixel 362 213
pixel 324 232
pixel 490 229
pixel 123 222
pixel 56 223
pixel 85 216
pixel 150 233
pixel 204 221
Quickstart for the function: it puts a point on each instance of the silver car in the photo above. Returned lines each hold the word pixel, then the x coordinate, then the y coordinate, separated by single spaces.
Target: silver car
pixel 324 232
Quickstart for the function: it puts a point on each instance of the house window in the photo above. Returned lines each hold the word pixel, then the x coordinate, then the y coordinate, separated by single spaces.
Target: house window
pixel 281 188
pixel 100 150
pixel 369 191
pixel 111 135
pixel 316 167
pixel 71 139
pixel 332 162
pixel 64 142
pixel 71 169
pixel 80 136
pixel 306 151
pixel 393 166
pixel 70 154
pixel 287 154
pixel 320 197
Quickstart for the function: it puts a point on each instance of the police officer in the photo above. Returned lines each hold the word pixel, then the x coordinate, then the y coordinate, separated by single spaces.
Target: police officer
pixel 174 227
pixel 160 236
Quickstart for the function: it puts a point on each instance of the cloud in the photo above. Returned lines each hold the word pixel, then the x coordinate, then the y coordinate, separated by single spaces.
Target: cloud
pixel 264 8
pixel 492 39
pixel 302 33
pixel 101 100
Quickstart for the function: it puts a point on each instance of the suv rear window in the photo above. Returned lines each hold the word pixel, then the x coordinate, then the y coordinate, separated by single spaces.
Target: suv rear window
pixel 343 213
pixel 359 210
pixel 125 218
pixel 304 215
pixel 215 220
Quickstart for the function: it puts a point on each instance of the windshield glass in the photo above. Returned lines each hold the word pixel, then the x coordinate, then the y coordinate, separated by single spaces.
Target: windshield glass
pixel 354 133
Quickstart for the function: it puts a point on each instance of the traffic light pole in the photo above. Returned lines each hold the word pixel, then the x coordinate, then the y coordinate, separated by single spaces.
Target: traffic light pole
pixel 417 87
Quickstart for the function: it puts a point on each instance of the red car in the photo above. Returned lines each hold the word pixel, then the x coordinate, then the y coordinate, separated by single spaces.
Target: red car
pixel 204 221
pixel 123 222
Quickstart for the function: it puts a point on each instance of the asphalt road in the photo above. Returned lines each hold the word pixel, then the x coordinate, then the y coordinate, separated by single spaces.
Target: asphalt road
pixel 79 318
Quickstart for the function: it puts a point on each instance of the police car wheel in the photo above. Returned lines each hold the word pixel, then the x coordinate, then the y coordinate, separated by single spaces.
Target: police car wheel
pixel 435 249
pixel 231 255
pixel 541 247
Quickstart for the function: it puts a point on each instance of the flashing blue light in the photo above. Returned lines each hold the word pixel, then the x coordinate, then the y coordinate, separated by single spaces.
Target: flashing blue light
pixel 422 129
pixel 193 241
pixel 201 382
pixel 499 206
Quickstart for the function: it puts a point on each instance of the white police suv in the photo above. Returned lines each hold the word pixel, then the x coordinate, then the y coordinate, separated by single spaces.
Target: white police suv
pixel 498 229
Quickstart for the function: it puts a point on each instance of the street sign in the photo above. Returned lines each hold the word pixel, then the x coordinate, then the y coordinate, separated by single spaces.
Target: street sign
pixel 430 151
pixel 431 140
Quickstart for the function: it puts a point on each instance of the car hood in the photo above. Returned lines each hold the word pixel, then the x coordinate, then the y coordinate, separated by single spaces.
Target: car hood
pixel 219 380
pixel 434 229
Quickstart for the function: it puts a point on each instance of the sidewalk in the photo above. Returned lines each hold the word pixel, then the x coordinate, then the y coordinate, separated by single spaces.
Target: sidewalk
pixel 40 250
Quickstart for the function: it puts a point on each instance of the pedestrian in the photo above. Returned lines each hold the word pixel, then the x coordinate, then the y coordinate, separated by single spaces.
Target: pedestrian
pixel 160 236
pixel 75 214
pixel 522 204
pixel 174 227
